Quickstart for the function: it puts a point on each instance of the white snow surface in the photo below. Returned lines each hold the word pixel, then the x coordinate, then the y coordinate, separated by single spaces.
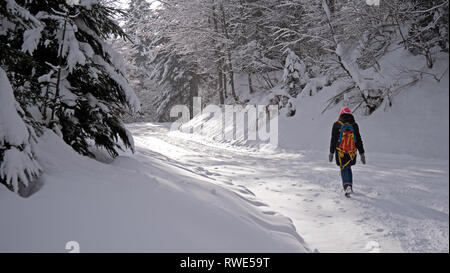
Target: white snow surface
pixel 189 193
pixel 144 202
pixel 401 196
pixel 400 204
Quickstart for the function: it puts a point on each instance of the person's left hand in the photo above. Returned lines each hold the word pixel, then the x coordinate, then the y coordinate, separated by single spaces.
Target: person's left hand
pixel 330 157
pixel 363 159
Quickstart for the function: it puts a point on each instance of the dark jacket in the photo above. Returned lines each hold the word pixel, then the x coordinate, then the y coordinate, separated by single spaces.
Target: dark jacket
pixel 335 131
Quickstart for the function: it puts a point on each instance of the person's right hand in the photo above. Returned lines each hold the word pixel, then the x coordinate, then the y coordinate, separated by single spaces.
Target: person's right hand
pixel 330 157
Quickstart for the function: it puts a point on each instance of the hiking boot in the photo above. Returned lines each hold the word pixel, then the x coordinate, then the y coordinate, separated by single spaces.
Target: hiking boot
pixel 348 190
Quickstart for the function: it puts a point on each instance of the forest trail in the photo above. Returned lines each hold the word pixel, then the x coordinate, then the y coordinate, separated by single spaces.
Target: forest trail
pixel 400 202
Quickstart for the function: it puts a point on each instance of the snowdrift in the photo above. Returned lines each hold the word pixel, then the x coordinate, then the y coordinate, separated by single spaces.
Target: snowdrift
pixel 138 203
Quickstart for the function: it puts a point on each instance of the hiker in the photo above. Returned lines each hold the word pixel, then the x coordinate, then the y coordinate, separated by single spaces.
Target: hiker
pixel 345 140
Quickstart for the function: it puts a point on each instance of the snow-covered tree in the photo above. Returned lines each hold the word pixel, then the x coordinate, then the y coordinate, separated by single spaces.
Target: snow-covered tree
pixel 64 74
pixel 76 80
pixel 295 75
pixel 137 26
pixel 212 40
pixel 178 84
pixel 137 54
pixel 429 28
pixel 172 73
pixel 18 165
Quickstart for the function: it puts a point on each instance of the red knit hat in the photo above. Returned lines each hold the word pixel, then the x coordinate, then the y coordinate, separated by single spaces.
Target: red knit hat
pixel 345 110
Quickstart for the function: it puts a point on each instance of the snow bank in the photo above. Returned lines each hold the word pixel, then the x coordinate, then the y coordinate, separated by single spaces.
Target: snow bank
pixel 139 203
pixel 416 124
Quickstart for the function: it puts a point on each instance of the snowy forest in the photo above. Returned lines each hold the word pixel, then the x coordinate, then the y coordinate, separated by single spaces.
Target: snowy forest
pixel 187 48
pixel 87 86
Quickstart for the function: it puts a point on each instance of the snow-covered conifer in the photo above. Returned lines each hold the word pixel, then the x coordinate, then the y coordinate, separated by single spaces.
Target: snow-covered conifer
pixel 295 75
pixel 63 70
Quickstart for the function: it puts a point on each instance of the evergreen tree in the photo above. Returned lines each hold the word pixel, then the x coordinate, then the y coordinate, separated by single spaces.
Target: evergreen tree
pixel 138 56
pixel 137 28
pixel 295 75
pixel 156 56
pixel 18 165
pixel 64 74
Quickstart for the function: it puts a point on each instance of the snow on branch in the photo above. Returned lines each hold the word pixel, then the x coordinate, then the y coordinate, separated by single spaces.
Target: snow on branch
pixel 18 167
pixel 31 38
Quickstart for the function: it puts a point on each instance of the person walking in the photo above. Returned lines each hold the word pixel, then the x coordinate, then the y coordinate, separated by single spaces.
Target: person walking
pixel 345 142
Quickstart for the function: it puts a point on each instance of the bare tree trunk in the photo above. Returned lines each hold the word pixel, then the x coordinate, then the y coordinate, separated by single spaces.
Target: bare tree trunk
pixel 58 79
pixel 429 58
pixel 218 59
pixel 220 86
pixel 44 105
pixel 193 92
pixel 225 85
pixel 230 65
pixel 250 86
pixel 233 90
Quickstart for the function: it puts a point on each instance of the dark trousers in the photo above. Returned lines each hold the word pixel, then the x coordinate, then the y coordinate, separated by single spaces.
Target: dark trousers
pixel 346 175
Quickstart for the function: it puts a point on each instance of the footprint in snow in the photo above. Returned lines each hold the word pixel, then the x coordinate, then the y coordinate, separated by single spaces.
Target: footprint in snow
pixel 270 212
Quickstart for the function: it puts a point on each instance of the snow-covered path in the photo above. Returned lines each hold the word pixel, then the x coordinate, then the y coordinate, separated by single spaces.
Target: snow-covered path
pixel 400 202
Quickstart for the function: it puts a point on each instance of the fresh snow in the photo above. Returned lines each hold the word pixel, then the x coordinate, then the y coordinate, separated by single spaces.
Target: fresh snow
pixel 402 194
pixel 400 202
pixel 144 202
pixel 187 193
pixel 179 192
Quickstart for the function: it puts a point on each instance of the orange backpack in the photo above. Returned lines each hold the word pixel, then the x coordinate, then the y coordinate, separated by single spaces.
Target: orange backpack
pixel 346 143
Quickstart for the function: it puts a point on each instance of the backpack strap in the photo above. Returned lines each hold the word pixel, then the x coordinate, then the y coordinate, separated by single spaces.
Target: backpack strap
pixel 346 125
